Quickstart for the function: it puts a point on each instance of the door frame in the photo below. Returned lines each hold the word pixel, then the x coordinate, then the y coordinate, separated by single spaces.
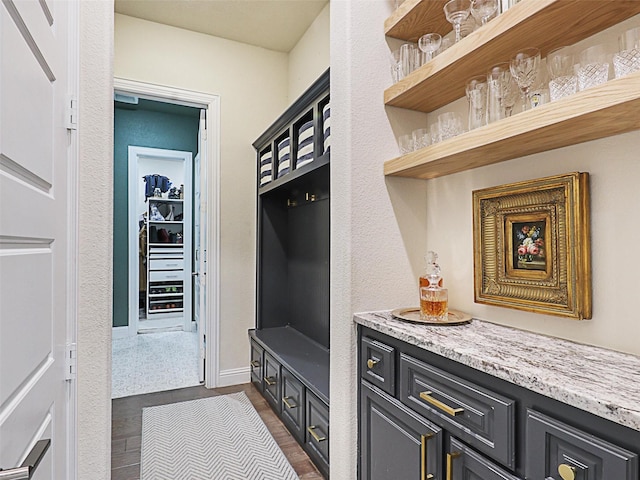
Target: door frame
pixel 210 103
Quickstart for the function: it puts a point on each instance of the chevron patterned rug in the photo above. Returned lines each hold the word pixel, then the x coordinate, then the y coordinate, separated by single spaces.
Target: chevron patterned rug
pixel 215 438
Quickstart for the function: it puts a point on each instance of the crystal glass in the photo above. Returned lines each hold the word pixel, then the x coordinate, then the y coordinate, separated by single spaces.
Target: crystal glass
pixel 408 55
pixel 563 82
pixel 524 67
pixel 405 143
pixel 456 12
pixel 593 67
pixel 429 44
pixel 449 125
pixel 421 138
pixel 434 130
pixel 396 66
pixel 627 60
pixel 476 90
pixel 502 92
pixel 483 10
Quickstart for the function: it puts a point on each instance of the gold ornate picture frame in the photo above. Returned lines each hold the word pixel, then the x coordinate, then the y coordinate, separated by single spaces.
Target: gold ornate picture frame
pixel 532 246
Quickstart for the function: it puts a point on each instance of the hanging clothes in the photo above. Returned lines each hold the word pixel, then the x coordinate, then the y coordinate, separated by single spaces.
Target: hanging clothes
pixel 155 181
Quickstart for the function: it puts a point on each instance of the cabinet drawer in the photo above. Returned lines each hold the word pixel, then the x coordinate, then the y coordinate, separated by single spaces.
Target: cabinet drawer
pixel 166 264
pixel 395 442
pixel 271 377
pixel 556 451
pixel 163 276
pixel 293 403
pixel 464 463
pixel 257 353
pixel 478 416
pixel 377 364
pixel 317 432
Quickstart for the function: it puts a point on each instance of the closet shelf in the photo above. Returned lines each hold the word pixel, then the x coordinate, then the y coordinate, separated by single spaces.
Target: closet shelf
pixel 167 222
pixel 165 295
pixel 608 109
pixel 546 24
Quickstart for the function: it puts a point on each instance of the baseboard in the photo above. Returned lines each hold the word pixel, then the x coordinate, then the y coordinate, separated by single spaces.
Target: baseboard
pixel 234 376
pixel 120 332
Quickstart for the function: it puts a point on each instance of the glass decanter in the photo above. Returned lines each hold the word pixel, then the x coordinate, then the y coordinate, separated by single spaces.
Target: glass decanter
pixel 434 300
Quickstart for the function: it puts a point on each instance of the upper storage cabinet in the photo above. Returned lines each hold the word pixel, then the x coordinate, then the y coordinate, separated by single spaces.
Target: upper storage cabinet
pixel 293 218
pixel 547 24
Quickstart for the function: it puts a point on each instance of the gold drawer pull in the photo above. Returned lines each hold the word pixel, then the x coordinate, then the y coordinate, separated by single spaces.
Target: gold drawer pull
pixel 285 400
pixel 315 436
pixel 423 465
pixel 371 363
pixel 426 396
pixel 567 472
pixel 255 363
pixel 450 457
pixel 270 381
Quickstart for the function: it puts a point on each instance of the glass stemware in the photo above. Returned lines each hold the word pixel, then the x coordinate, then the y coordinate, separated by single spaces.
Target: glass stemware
pixel 429 43
pixel 482 10
pixel 457 11
pixel 524 68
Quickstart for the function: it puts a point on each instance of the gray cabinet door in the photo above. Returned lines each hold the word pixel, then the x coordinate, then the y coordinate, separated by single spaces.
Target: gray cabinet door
pixel 464 463
pixel 272 381
pixel 395 442
pixel 257 353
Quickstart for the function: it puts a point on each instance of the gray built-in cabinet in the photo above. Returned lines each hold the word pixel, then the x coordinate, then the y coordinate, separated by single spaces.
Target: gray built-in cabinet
pixel 290 341
pixel 423 416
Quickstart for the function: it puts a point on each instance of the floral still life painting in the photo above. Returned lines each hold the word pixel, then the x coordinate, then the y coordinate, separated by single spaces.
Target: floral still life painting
pixel 530 251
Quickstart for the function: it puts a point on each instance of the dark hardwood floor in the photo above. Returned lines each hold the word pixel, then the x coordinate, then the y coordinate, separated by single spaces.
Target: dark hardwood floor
pixel 126 429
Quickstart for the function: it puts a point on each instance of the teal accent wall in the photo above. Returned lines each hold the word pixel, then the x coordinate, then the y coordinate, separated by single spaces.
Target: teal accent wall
pixel 148 124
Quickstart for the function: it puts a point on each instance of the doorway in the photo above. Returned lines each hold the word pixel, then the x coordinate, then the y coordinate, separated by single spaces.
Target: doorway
pixel 161 316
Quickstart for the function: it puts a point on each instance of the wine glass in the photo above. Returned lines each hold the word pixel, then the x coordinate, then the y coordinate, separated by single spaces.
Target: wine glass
pixel 429 43
pixel 483 9
pixel 524 68
pixel 457 11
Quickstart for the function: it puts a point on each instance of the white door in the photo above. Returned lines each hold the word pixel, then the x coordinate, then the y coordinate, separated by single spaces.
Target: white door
pixel 200 241
pixel 38 55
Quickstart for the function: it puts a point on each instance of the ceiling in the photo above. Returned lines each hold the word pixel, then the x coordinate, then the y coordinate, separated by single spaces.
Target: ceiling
pixel 272 24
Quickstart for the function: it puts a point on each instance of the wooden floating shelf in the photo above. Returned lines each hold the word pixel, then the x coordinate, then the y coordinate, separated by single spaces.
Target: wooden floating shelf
pixel 414 18
pixel 546 24
pixel 608 109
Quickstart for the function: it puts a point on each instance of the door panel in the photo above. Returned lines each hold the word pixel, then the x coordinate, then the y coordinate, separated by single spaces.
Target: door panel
pixel 35 228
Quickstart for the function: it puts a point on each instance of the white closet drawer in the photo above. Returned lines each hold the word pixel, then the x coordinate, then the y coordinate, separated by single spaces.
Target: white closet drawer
pixel 166 264
pixel 166 275
pixel 165 251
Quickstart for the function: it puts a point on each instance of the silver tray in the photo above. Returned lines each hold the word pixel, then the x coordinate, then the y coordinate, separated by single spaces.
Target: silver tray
pixel 412 314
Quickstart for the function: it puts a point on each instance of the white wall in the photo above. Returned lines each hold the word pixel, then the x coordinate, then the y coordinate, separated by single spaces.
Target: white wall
pixel 378 231
pixel 252 84
pixel 382 227
pixel 310 57
pixel 95 263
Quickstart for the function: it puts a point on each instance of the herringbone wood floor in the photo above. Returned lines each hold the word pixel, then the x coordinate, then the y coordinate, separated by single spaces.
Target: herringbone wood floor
pixel 127 428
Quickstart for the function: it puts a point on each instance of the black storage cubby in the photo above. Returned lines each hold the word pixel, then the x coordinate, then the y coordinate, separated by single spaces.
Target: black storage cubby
pixel 292 304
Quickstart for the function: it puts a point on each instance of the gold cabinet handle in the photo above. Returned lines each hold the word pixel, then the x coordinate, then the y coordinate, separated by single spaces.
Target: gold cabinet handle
pixel 285 400
pixel 315 436
pixel 255 363
pixel 450 457
pixel 426 396
pixel 567 472
pixel 371 363
pixel 423 464
pixel 270 381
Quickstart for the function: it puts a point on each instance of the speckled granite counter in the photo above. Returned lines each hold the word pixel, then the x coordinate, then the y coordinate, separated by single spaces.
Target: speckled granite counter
pixel 603 382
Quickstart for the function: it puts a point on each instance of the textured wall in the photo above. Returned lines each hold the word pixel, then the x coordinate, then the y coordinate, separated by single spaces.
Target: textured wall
pixel 141 128
pixel 377 224
pixel 252 85
pixel 95 240
pixel 310 57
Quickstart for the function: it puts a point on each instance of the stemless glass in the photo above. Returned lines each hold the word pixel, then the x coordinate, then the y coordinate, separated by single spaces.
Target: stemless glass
pixel 482 10
pixel 563 81
pixel 421 138
pixel 449 125
pixel 476 90
pixel 405 143
pixel 524 67
pixel 429 43
pixel 457 11
pixel 627 60
pixel 593 68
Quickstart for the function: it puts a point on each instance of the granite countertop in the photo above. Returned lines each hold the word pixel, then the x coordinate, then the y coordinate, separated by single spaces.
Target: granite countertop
pixel 600 381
